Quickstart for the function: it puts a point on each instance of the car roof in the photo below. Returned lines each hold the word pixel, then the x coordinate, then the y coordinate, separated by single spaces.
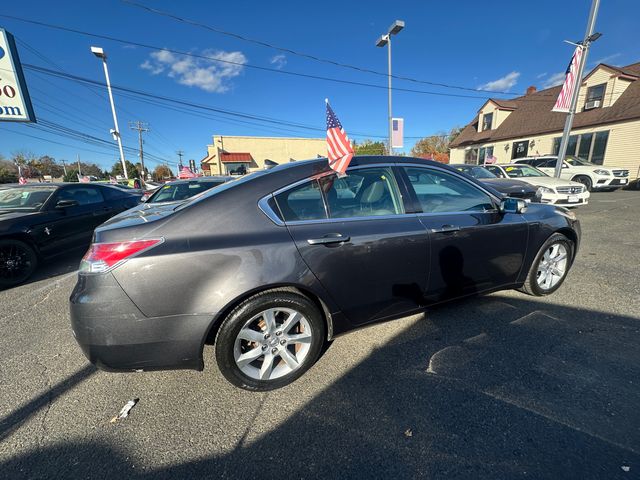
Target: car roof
pixel 209 179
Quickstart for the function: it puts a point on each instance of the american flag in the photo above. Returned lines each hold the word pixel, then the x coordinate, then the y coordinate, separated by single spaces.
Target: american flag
pixel 22 181
pixel 564 99
pixel 339 149
pixel 489 159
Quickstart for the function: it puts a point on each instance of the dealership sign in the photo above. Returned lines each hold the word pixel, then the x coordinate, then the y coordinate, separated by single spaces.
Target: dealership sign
pixel 15 104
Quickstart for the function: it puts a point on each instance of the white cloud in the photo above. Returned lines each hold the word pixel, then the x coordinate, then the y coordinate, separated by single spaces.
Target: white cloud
pixel 606 59
pixel 501 84
pixel 208 75
pixel 279 61
pixel 553 80
pixel 540 75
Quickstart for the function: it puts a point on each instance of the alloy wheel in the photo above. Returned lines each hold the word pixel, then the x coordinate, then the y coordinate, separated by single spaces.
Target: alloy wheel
pixel 272 344
pixel 552 266
pixel 15 263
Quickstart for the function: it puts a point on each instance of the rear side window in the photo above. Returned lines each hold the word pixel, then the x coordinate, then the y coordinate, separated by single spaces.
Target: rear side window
pixel 303 202
pixel 113 193
pixel 495 170
pixel 363 192
pixel 442 192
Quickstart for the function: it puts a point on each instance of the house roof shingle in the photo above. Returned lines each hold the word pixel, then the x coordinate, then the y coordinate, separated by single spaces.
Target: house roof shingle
pixel 532 114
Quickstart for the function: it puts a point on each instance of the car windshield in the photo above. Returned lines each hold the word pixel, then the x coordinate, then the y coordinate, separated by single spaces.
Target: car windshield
pixel 515 171
pixel 24 198
pixel 578 162
pixel 476 172
pixel 174 192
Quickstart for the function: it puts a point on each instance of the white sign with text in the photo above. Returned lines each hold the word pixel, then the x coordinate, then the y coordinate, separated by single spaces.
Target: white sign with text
pixel 15 104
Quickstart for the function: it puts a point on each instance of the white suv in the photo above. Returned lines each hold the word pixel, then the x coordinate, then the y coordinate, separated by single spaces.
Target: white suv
pixel 592 176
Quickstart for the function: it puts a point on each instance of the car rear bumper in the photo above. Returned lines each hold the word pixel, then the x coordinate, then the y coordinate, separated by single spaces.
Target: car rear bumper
pixel 115 336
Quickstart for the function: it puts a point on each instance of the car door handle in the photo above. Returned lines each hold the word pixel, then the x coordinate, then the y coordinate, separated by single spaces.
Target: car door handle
pixel 329 238
pixel 446 229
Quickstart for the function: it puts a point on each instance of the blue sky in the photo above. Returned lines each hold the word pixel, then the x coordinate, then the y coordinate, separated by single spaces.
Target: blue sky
pixel 498 45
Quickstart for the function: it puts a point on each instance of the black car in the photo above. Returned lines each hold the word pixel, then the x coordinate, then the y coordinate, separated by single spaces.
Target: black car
pixel 39 221
pixel 508 186
pixel 274 264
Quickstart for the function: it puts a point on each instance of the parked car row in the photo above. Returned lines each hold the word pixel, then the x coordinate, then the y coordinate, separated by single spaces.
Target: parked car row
pixel 39 221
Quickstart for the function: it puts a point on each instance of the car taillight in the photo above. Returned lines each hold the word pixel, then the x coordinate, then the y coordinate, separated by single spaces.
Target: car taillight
pixel 103 257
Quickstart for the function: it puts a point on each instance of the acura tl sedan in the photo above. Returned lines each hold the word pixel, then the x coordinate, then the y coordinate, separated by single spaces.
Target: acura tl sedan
pixel 273 265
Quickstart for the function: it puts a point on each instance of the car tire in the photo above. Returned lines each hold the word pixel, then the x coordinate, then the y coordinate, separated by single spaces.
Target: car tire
pixel 584 180
pixel 269 340
pixel 18 261
pixel 542 278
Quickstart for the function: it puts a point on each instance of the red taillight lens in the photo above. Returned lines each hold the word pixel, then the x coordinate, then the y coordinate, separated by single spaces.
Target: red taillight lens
pixel 102 257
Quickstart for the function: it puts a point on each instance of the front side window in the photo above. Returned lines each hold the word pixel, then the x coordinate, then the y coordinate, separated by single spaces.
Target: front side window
pixel 363 192
pixel 81 194
pixel 442 192
pixel 595 94
pixel 487 121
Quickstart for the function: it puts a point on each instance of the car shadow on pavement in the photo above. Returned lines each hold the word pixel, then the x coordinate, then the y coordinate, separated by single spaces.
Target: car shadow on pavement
pixel 493 387
pixel 14 420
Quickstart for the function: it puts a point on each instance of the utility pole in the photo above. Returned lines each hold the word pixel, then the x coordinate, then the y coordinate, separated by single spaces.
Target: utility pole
pixel 140 127
pixel 589 37
pixel 180 154
pixel 78 160
pixel 64 167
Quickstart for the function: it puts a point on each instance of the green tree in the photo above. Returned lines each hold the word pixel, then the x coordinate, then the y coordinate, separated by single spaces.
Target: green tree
pixel 370 147
pixel 162 172
pixel 46 165
pixel 71 176
pixel 436 146
pixel 132 171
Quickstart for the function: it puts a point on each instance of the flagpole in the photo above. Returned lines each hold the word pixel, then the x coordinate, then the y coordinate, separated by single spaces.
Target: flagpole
pixel 595 4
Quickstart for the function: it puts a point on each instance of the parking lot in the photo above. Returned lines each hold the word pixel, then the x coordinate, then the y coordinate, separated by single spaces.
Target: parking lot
pixel 501 386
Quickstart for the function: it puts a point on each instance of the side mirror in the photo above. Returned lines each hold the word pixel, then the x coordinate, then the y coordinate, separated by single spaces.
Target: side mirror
pixel 66 203
pixel 513 205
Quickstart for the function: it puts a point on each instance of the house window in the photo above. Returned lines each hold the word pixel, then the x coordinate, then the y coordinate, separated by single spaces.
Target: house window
pixel 487 121
pixel 485 152
pixel 588 146
pixel 471 156
pixel 595 94
pixel 584 147
pixel 520 149
pixel 599 147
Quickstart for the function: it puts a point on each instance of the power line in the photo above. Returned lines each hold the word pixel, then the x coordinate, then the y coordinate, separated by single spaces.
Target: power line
pixel 302 54
pixel 185 103
pixel 274 70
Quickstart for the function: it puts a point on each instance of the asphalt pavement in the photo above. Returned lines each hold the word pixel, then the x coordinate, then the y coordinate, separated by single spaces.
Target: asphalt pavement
pixel 501 386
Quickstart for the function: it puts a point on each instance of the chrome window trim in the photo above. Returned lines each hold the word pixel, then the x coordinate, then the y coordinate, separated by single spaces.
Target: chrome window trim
pixel 263 203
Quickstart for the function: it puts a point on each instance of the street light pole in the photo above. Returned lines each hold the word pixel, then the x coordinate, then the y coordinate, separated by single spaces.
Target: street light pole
pixel 99 52
pixel 589 37
pixel 389 94
pixel 382 41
